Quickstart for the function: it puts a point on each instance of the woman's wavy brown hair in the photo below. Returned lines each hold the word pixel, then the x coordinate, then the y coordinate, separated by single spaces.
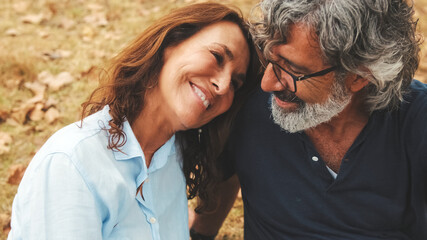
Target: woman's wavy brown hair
pixel 136 69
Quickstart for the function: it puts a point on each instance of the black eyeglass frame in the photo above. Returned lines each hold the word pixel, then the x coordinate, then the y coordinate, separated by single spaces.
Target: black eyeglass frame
pixel 264 62
pixel 298 78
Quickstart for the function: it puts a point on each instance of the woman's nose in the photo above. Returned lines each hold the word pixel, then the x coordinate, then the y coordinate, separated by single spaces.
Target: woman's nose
pixel 221 84
pixel 269 81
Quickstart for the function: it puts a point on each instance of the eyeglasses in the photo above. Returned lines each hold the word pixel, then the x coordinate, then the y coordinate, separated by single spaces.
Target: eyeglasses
pixel 281 77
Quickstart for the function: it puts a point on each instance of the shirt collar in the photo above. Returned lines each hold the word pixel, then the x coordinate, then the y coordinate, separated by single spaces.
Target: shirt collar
pixel 161 156
pixel 131 149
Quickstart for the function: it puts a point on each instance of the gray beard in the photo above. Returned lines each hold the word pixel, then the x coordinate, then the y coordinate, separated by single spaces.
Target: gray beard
pixel 309 115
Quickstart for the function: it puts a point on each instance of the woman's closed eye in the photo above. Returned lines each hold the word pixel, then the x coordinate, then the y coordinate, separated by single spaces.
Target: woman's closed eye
pixel 218 56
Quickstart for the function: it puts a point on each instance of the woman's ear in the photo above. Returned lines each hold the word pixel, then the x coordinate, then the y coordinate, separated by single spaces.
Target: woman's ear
pixel 355 83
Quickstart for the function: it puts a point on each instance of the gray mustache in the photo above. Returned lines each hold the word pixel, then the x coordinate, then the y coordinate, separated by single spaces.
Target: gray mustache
pixel 288 97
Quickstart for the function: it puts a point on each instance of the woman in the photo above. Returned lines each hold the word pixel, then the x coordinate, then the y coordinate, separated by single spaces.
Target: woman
pixel 149 133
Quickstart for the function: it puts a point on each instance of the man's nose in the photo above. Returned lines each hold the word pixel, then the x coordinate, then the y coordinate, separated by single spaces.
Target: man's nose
pixel 269 81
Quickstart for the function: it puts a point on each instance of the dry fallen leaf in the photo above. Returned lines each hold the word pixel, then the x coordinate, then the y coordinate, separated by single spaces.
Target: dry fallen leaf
pixel 44 75
pixel 95 7
pixel 37 88
pixel 12 32
pixel 20 113
pixel 55 83
pixel 99 54
pixel 20 7
pixel 37 113
pixel 33 18
pixel 64 53
pixel 61 80
pixel 5 223
pixel 155 9
pixel 87 33
pixel 15 82
pixel 92 74
pixel 57 54
pixel 5 141
pixel 50 102
pixel 112 35
pixel 144 12
pixel 16 172
pixel 98 19
pixel 13 122
pixel 67 23
pixel 53 7
pixel 51 115
pixel 43 34
pixel 3 115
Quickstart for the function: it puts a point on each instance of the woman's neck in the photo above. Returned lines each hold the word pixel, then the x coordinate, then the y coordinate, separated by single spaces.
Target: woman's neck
pixel 152 129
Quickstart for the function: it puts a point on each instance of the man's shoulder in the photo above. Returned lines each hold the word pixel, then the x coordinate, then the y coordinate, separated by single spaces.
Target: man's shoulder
pixel 415 99
pixel 417 92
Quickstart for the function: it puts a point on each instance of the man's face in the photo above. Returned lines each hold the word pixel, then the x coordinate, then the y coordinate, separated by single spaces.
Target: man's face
pixel 317 99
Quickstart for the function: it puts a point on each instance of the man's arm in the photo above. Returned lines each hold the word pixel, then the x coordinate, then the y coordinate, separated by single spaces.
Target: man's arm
pixel 209 223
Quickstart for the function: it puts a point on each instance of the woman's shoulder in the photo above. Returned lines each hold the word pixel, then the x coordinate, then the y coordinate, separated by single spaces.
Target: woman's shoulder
pixel 81 134
pixel 80 147
pixel 76 142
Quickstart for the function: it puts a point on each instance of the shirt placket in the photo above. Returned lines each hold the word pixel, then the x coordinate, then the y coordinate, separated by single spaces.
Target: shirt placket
pixel 316 162
pixel 146 204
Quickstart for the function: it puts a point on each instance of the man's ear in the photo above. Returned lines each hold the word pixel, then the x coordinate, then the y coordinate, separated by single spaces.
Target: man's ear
pixel 355 83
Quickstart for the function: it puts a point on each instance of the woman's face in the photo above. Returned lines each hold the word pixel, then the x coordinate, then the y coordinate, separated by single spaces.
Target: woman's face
pixel 201 74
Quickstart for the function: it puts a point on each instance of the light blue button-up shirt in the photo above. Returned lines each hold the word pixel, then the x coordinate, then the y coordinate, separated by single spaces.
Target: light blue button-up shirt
pixel 77 188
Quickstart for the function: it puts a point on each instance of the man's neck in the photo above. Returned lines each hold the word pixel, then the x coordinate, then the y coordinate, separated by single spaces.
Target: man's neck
pixel 354 115
pixel 333 139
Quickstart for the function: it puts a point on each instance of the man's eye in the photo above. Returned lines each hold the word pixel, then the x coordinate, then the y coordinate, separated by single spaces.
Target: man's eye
pixel 296 73
pixel 289 69
pixel 219 58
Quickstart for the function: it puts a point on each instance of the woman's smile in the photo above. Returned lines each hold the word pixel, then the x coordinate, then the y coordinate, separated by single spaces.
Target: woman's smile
pixel 200 93
pixel 200 75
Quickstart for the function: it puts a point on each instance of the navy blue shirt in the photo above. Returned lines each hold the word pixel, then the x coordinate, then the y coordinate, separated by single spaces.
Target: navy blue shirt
pixel 380 191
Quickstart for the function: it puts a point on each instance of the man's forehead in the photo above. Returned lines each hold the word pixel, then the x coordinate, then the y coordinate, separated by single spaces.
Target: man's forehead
pixel 301 48
pixel 300 32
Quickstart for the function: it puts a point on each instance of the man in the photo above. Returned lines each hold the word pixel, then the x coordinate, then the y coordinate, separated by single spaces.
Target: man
pixel 335 146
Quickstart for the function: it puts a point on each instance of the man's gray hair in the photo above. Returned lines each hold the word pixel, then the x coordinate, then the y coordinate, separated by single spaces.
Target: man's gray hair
pixel 374 39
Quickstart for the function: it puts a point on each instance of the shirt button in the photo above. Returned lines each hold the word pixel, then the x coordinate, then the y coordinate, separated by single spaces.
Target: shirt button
pixel 314 158
pixel 153 220
pixel 147 180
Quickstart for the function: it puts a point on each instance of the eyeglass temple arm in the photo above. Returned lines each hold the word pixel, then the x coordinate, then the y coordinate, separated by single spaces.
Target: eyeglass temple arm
pixel 323 72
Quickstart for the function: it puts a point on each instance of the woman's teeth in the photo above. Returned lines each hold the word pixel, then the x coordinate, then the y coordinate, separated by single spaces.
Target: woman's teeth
pixel 201 95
